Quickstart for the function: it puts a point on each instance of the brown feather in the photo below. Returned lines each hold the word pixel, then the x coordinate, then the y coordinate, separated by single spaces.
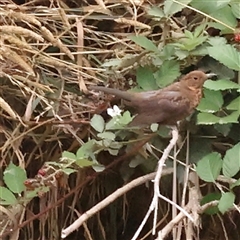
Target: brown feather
pixel 165 106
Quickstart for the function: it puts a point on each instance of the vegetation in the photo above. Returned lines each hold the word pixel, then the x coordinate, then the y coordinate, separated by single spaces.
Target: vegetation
pixel 64 149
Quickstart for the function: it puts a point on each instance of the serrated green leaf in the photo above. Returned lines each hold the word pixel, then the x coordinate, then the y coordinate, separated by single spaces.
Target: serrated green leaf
pixel 226 202
pixel 209 167
pixel 234 105
pixel 97 122
pixel 144 43
pixel 171 7
pixel 227 55
pixel 168 72
pixel 217 41
pixel 14 178
pixel 106 135
pixel 188 34
pixel 211 102
pixel 68 155
pixel 209 198
pixel 231 161
pixel 199 30
pixel 7 197
pixel 221 84
pixel 210 119
pixel 231 118
pixel 207 118
pixel 145 79
pixel 188 44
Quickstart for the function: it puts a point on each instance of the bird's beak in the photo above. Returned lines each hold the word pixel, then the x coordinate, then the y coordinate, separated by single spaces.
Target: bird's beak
pixel 210 75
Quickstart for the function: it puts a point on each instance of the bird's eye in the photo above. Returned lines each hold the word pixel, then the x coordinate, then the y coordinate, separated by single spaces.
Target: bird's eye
pixel 195 78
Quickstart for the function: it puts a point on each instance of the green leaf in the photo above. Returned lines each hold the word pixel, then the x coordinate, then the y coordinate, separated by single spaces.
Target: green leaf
pixel 209 167
pixel 111 125
pixel 14 178
pixel 156 12
pixel 231 161
pixel 167 53
pixel 234 105
pixel 190 41
pixel 209 6
pixel 168 72
pixel 225 15
pixel 154 127
pixel 84 163
pixel 7 197
pixel 226 202
pixel 144 43
pixel 209 198
pixel 210 119
pixel 98 168
pixel 231 118
pixel 119 122
pixel 221 84
pixel 98 123
pixel 68 155
pixel 227 55
pixel 126 118
pixel 211 102
pixel 106 135
pixel 86 150
pixel 235 8
pixel 145 79
pixel 217 41
pixel 207 118
pixel 171 7
pixel 199 30
pixel 188 34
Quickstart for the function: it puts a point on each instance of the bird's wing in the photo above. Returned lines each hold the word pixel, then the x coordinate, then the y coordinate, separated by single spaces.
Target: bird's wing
pixel 166 107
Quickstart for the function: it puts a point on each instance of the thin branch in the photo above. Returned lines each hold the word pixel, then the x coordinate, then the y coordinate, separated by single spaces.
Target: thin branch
pixel 154 204
pixel 119 192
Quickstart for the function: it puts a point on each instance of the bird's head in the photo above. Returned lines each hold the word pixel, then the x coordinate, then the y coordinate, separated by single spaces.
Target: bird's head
pixel 196 79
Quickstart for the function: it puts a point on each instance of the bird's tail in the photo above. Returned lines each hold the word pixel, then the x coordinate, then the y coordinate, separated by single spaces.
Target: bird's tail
pixel 121 94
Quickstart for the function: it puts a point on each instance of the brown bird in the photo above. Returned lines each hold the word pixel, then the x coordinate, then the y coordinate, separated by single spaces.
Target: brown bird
pixel 165 106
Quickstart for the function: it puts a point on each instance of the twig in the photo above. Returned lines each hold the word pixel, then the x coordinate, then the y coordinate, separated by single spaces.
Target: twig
pixel 154 204
pixel 119 192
